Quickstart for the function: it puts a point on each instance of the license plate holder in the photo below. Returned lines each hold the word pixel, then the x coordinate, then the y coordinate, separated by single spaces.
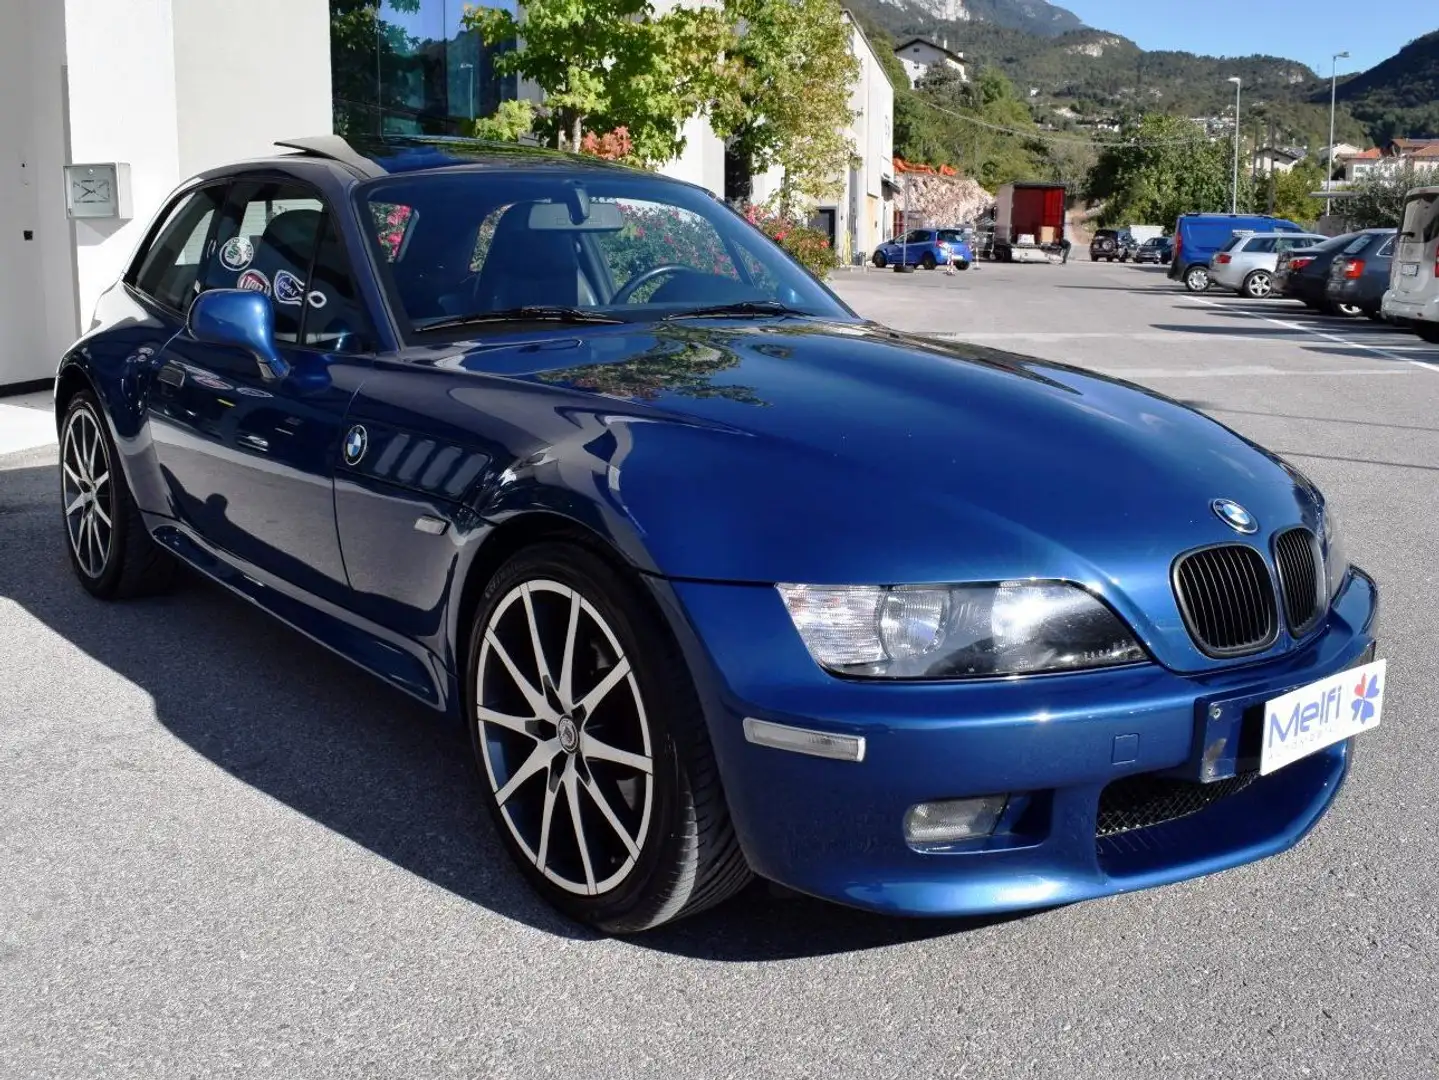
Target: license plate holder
pixel 1320 714
pixel 1409 269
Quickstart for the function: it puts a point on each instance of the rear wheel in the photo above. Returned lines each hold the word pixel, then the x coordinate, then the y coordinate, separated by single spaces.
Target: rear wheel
pixel 927 261
pixel 1375 314
pixel 593 747
pixel 110 550
pixel 1258 286
pixel 1196 278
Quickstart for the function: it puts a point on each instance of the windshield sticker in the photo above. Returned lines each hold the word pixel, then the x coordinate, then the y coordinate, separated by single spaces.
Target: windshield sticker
pixel 318 299
pixel 288 288
pixel 254 281
pixel 237 253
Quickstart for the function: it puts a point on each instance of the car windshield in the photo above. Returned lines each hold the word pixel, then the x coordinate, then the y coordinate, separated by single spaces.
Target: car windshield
pixel 470 248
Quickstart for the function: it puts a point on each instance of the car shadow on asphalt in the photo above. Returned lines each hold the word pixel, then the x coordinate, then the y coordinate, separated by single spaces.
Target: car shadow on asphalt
pixel 285 716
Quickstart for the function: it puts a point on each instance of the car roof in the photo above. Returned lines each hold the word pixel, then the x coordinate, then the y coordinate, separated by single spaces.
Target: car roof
pixel 371 157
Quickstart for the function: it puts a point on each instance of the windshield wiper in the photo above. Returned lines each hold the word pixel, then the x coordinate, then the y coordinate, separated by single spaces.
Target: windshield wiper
pixel 739 308
pixel 528 313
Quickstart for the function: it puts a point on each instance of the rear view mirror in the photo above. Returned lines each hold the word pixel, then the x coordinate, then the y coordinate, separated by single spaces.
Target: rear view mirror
pixel 556 217
pixel 242 319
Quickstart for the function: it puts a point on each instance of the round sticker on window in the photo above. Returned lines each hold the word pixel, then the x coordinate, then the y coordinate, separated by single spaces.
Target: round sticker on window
pixel 288 288
pixel 254 281
pixel 318 299
pixel 237 253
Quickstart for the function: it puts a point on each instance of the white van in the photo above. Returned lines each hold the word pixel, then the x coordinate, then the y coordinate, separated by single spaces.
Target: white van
pixel 1413 294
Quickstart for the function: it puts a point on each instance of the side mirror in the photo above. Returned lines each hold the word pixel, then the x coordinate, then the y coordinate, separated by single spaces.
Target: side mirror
pixel 242 319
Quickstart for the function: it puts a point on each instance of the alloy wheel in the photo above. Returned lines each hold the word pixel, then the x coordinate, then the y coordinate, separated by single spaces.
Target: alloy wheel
pixel 1197 279
pixel 564 737
pixel 1259 285
pixel 87 492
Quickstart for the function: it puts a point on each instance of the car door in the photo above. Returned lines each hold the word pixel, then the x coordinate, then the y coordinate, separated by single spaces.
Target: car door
pixel 249 460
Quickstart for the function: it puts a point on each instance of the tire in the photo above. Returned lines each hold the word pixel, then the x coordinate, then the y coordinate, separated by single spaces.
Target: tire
pixel 927 261
pixel 1348 311
pixel 879 260
pixel 1375 314
pixel 961 264
pixel 680 854
pixel 1428 331
pixel 1259 285
pixel 110 549
pixel 1196 278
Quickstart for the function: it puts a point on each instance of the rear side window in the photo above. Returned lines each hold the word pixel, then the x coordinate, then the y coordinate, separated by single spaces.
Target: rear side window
pixel 1386 249
pixel 1356 245
pixel 170 270
pixel 1262 244
pixel 1232 243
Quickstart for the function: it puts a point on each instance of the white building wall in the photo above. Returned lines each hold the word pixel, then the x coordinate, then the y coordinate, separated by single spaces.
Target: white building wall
pixel 702 160
pixel 222 115
pixel 155 84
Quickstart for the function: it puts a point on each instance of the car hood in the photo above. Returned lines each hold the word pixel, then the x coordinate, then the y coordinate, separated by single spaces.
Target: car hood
pixel 796 450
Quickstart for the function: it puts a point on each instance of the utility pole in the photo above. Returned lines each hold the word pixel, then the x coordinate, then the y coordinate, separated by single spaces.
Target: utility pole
pixel 1329 153
pixel 1273 180
pixel 1234 188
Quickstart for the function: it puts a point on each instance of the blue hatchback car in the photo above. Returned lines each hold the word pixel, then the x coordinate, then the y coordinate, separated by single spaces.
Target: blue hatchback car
pixel 720 578
pixel 928 248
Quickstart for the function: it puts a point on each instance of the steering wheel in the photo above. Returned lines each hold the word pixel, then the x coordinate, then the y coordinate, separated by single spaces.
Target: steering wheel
pixel 624 292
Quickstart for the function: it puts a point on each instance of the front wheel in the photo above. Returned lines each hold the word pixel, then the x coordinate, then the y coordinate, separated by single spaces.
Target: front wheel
pixel 879 260
pixel 1196 278
pixel 593 747
pixel 110 550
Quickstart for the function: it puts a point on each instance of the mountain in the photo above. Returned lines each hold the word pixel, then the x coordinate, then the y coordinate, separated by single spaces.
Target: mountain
pixel 1067 70
pixel 1401 95
pixel 1032 16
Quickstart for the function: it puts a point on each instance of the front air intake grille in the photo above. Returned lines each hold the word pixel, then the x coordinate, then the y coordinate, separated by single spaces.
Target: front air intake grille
pixel 1227 599
pixel 1301 578
pixel 1138 802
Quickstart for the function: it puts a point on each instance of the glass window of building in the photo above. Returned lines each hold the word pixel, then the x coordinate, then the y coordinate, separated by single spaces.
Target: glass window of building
pixel 410 67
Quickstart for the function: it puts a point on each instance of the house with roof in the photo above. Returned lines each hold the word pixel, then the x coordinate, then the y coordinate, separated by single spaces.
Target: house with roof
pixel 919 55
pixel 1275 159
pixel 1421 155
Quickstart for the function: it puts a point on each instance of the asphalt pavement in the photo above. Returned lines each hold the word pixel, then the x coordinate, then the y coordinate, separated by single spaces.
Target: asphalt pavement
pixel 225 852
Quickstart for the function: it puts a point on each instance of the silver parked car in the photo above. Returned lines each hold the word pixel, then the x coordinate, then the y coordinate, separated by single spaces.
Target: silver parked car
pixel 1246 264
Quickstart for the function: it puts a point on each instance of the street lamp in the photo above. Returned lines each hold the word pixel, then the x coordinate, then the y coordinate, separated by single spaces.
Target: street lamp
pixel 1234 187
pixel 1333 82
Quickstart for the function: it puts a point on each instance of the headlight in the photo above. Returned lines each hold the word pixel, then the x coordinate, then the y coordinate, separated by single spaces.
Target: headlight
pixel 957 631
pixel 1336 559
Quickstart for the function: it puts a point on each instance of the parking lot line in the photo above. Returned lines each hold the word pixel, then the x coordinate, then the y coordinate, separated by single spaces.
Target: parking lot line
pixel 1301 328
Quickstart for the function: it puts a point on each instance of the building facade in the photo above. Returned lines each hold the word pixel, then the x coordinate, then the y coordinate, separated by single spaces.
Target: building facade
pixel 149 92
pixel 860 216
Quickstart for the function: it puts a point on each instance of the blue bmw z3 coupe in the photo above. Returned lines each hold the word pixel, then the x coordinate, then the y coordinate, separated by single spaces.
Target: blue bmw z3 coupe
pixel 721 578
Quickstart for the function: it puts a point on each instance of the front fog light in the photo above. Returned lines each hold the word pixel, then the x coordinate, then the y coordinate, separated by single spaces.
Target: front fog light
pixel 953 819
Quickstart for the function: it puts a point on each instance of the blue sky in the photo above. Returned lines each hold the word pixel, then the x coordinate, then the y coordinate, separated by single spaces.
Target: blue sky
pixel 1309 32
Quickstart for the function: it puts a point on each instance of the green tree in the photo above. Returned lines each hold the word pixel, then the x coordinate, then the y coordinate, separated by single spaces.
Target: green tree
pixel 607 64
pixel 510 122
pixel 1164 166
pixel 1377 199
pixel 1291 192
pixel 790 106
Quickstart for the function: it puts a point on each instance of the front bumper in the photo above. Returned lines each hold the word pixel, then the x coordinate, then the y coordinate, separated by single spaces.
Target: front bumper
pixel 834 828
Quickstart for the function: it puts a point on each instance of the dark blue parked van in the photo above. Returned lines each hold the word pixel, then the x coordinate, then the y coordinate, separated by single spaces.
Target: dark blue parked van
pixel 1198 236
